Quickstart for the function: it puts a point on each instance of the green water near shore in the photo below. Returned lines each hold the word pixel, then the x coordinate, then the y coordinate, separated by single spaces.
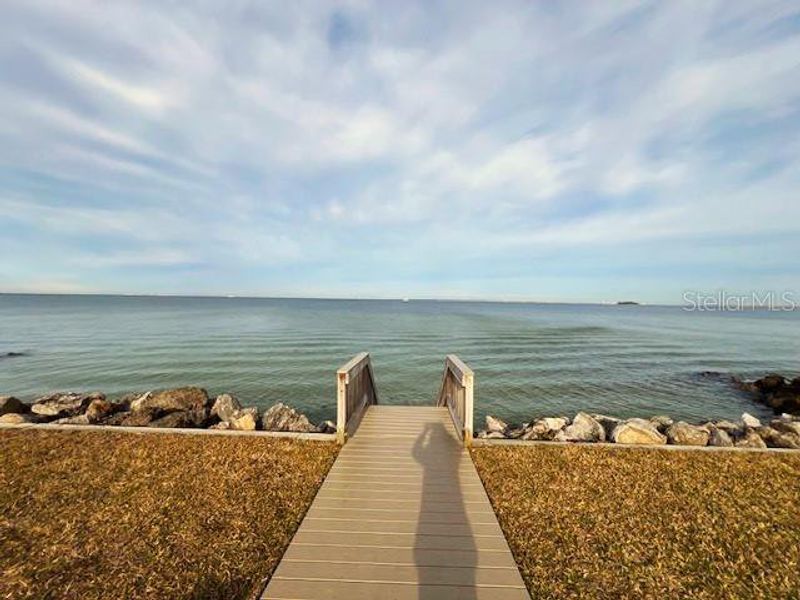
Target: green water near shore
pixel 529 359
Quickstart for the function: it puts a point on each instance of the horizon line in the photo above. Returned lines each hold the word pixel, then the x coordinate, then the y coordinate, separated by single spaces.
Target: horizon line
pixel 340 298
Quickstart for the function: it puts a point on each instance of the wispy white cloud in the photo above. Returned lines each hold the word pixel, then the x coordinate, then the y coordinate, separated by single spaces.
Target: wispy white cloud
pixel 313 141
pixel 96 80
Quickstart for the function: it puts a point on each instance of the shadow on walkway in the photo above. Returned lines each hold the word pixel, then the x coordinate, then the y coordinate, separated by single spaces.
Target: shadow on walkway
pixel 444 548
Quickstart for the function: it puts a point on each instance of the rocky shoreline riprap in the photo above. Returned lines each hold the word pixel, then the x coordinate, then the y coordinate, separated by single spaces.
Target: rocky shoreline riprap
pixel 192 407
pixel 748 432
pixel 186 407
pixel 776 391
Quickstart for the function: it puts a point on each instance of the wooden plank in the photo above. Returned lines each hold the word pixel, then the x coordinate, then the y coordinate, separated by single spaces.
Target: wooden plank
pixel 347 590
pixel 402 556
pixel 409 408
pixel 419 516
pixel 418 478
pixel 330 501
pixel 401 465
pixel 422 484
pixel 367 463
pixel 353 366
pixel 393 525
pixel 434 497
pixel 413 574
pixel 421 477
pixel 402 514
pixel 458 367
pixel 401 540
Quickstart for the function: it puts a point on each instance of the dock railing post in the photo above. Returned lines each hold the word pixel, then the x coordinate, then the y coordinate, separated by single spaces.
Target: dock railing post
pixel 341 407
pixel 355 392
pixel 469 400
pixel 458 395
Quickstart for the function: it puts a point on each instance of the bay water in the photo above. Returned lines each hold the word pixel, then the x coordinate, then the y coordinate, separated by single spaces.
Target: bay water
pixel 529 359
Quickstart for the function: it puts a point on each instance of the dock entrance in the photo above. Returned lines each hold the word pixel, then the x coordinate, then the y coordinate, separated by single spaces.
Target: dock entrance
pixel 402 514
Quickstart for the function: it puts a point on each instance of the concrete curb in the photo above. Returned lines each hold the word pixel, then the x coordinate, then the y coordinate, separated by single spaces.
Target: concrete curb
pixel 314 437
pixel 478 442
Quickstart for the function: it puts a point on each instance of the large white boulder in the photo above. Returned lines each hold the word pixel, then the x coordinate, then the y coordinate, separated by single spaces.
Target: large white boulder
pixel 637 431
pixel 583 429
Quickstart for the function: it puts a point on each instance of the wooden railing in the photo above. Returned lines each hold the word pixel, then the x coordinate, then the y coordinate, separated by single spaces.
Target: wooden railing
pixel 457 394
pixel 355 391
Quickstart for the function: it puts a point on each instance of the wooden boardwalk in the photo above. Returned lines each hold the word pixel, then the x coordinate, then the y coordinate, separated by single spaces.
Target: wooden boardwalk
pixel 402 515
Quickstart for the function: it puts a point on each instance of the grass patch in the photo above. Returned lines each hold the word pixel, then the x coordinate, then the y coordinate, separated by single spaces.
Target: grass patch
pixel 116 515
pixel 609 523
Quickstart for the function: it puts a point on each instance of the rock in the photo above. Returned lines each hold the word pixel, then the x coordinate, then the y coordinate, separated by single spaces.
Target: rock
pixel 179 420
pixel 750 439
pixel 779 439
pixel 514 433
pixel 544 429
pixel 191 404
pixel 244 419
pixel 224 407
pixel 750 421
pixel 556 422
pixel 138 403
pixel 775 391
pixel 280 417
pixel 727 426
pixel 100 409
pixel 608 424
pixel 661 422
pixel 495 425
pixel 16 419
pixel 719 437
pixel 683 434
pixel 637 431
pixel 786 426
pixel 221 425
pixel 141 417
pixel 714 375
pixel 326 427
pixel 128 399
pixel 9 404
pixel 494 435
pixel 76 420
pixel 745 386
pixel 583 429
pixel 180 399
pixel 61 405
pixel 786 440
pixel 116 418
pixel 733 430
pixel 770 384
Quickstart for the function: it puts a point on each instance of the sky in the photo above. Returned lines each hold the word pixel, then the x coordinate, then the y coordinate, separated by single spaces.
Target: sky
pixel 549 151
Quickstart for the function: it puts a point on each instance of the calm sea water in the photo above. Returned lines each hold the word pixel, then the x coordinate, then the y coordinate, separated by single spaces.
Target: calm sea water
pixel 529 359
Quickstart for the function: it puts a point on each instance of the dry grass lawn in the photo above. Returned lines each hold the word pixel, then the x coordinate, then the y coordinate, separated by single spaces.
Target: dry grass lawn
pixel 589 522
pixel 115 515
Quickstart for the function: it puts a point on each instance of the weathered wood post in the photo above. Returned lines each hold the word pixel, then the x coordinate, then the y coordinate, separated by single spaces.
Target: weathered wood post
pixel 458 395
pixel 469 400
pixel 341 407
pixel 355 392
